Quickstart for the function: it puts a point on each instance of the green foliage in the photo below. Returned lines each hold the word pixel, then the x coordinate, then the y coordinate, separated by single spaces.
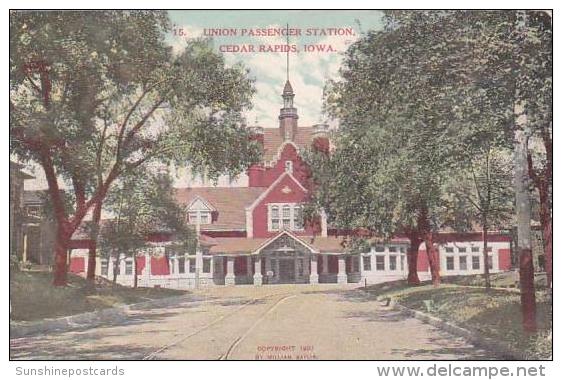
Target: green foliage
pixel 96 95
pixel 422 106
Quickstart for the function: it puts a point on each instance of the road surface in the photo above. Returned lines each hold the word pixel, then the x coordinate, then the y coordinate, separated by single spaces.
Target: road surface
pixel 276 322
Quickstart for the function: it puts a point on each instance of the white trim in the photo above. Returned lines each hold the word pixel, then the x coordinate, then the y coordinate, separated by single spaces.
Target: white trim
pixel 249 223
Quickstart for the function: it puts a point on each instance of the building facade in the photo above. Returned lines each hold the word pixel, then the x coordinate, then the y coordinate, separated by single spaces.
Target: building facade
pixel 256 234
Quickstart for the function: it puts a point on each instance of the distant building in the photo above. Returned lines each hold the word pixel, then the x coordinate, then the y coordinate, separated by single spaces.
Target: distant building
pixel 17 211
pixel 256 234
pixel 39 229
pixel 31 233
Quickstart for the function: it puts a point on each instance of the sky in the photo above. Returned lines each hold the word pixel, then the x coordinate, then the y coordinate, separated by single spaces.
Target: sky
pixel 308 70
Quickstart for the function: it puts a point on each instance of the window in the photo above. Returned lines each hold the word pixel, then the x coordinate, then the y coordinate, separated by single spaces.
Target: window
pixel 449 249
pixel 392 262
pixel 181 265
pixel 462 263
pixel 367 263
pixel 286 215
pixel 392 249
pixel 289 166
pixel 475 249
pixel 380 262
pixel 402 250
pixel 33 210
pixel 129 267
pixel 476 262
pixel 193 217
pixel 450 263
pixel 300 267
pixel 402 258
pixel 204 217
pixel 462 249
pixel 274 218
pixel 206 265
pixel 191 265
pixel 379 248
pixel 104 268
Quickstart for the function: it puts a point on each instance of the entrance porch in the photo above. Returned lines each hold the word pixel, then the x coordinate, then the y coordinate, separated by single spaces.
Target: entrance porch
pixel 287 260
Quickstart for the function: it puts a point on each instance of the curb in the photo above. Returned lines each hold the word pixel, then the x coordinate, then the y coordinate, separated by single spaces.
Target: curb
pixel 90 319
pixel 473 337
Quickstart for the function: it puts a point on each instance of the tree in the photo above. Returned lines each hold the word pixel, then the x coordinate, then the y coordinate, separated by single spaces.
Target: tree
pixel 96 95
pixel 142 205
pixel 483 192
pixel 393 82
pixel 492 65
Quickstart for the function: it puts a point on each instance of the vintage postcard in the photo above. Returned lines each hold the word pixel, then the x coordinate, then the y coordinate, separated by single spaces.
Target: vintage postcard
pixel 281 185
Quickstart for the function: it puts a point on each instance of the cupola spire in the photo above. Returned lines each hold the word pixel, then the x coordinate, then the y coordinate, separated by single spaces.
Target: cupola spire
pixel 288 116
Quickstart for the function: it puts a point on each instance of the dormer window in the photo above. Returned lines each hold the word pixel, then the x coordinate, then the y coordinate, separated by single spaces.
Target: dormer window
pixel 289 166
pixel 199 217
pixel 199 212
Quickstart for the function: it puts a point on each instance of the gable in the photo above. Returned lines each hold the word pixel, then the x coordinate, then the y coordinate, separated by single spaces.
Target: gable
pixel 286 189
pixel 199 204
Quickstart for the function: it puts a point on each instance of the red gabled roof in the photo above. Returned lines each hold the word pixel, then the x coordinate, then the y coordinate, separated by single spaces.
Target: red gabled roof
pixel 229 202
pixel 272 140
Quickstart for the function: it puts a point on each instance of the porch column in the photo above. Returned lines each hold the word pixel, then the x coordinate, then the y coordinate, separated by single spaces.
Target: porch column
pixel 361 274
pixel 258 278
pixel 147 268
pixel 85 265
pixel 342 276
pixel 24 255
pixel 249 267
pixel 313 269
pixel 229 271
pixel 324 264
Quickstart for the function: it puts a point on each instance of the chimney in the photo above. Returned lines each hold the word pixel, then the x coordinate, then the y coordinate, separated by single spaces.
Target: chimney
pixel 321 138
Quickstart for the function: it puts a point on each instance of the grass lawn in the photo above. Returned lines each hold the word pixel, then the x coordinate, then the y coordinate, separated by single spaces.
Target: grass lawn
pixel 496 314
pixel 33 296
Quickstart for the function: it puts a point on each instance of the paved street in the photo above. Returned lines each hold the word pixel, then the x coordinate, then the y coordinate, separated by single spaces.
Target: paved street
pixel 268 322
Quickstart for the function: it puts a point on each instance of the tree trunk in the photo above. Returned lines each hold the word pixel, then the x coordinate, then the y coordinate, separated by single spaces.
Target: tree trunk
pixel 412 257
pixel 547 237
pixel 486 263
pixel 115 266
pixel 61 250
pixel 523 211
pixel 546 224
pixel 96 217
pixel 432 259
